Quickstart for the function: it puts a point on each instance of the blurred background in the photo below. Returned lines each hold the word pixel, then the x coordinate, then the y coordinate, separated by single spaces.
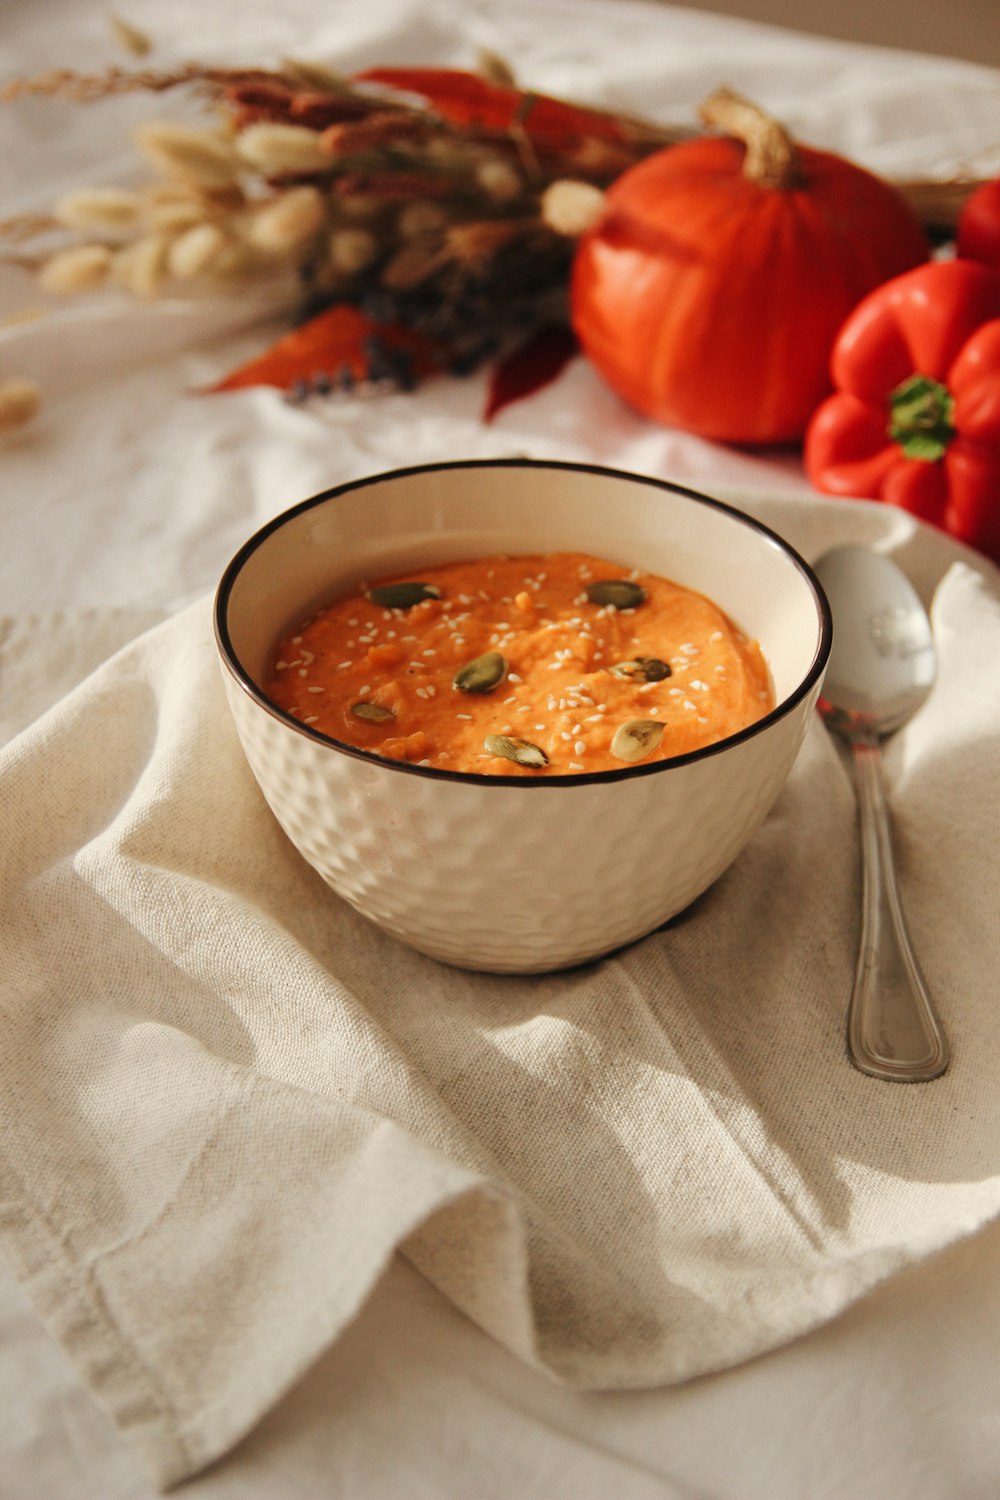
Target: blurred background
pixel 968 29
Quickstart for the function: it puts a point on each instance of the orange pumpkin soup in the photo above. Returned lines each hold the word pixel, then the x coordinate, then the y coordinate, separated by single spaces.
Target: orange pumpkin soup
pixel 540 665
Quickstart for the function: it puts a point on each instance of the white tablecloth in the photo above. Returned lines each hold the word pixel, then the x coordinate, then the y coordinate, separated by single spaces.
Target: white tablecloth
pixel 125 500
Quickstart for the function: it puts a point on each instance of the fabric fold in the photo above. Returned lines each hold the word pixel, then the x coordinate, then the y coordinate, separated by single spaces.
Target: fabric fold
pixel 226 1099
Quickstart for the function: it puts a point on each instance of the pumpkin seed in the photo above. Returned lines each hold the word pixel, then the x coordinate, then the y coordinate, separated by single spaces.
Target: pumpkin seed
pixel 402 595
pixel 523 752
pixel 372 713
pixel 482 674
pixel 616 593
pixel 642 669
pixel 636 738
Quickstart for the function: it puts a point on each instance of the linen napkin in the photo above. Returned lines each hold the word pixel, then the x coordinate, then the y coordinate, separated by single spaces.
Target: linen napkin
pixel 226 1099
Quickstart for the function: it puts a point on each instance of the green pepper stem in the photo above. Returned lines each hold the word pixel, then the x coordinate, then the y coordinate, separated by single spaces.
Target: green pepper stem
pixel 920 417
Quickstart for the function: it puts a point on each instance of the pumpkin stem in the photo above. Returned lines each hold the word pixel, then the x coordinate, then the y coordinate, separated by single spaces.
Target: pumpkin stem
pixel 772 160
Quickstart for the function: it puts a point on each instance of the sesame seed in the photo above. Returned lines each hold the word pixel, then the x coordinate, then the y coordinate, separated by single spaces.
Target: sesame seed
pixel 342 664
pixel 310 719
pixel 513 677
pixel 314 690
pixel 575 765
pixel 580 748
pixel 280 666
pixel 464 716
pixel 303 672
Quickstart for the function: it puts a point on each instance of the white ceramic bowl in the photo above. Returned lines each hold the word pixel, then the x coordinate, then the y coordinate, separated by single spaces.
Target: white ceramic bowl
pixel 507 873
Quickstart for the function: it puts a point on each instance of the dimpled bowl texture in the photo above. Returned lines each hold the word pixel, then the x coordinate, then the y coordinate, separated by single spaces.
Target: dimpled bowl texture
pixel 508 873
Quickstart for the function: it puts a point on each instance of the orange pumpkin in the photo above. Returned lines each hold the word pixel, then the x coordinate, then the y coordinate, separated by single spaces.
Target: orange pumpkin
pixel 711 289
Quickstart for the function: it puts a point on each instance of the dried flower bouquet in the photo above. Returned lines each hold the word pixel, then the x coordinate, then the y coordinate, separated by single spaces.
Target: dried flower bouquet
pixel 422 217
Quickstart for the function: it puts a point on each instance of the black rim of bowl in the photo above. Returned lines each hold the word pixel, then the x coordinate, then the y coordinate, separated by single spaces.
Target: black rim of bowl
pixel 480 778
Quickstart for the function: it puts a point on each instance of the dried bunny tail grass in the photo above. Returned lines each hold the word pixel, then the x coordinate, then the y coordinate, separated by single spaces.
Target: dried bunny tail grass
pixel 141 267
pixel 175 205
pixel 27 227
pixel 499 180
pixel 571 208
pixel 495 69
pixel 82 268
pixel 193 153
pixel 285 223
pixel 351 251
pixel 20 400
pixel 129 37
pixel 277 149
pixel 299 71
pixel 195 252
pixel 99 210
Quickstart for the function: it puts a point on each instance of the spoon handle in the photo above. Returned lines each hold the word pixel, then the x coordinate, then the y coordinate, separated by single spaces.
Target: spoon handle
pixel 892 1030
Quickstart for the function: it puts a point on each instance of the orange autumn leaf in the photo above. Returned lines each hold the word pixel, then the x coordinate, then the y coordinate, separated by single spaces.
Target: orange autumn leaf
pixel 466 98
pixel 336 340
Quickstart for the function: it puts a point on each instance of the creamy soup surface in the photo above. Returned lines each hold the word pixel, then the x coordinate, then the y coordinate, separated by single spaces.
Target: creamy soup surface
pixel 528 666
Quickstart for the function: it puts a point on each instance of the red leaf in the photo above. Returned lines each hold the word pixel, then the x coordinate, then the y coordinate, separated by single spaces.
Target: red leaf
pixel 534 364
pixel 466 98
pixel 337 339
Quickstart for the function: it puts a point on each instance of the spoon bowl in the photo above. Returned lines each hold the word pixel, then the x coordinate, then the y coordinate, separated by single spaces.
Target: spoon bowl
pixel 882 666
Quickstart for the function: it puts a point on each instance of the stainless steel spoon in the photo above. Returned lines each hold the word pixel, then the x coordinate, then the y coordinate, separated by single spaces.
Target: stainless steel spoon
pixel 881 669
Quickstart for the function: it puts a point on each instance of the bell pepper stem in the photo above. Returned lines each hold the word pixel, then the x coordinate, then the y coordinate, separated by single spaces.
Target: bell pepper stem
pixel 920 417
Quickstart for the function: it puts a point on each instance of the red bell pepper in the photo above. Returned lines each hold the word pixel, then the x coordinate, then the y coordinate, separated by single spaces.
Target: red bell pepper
pixel 915 415
pixel 978 229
